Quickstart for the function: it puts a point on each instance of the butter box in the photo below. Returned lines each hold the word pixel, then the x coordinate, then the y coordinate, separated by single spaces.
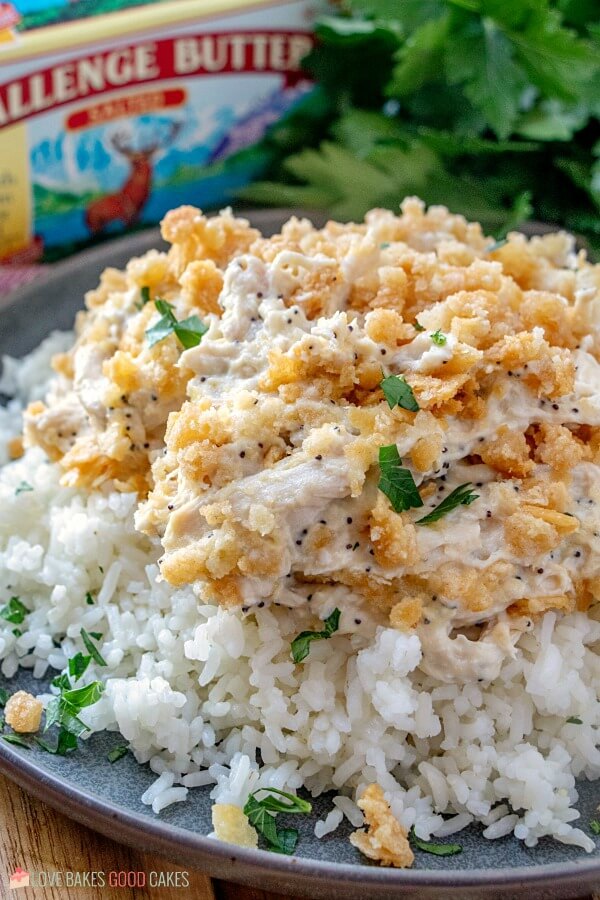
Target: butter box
pixel 114 111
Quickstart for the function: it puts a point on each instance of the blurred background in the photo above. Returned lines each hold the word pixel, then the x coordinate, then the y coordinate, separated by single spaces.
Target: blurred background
pixel 113 111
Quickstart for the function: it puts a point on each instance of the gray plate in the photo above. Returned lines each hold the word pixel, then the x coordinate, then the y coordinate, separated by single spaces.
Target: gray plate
pixel 107 797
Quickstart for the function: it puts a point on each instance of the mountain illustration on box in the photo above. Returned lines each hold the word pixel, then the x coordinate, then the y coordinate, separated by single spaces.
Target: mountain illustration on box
pixel 99 180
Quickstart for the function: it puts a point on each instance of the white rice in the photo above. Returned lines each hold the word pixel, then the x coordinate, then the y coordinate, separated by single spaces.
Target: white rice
pixel 200 692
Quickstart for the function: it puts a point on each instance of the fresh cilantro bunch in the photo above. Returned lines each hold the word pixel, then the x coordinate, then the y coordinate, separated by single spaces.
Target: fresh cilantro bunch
pixel 488 106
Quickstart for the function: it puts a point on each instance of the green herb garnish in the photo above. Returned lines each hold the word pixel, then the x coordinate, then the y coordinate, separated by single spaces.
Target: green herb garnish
pixel 77 665
pixel 574 720
pixel 117 752
pixel 396 482
pixel 398 393
pixel 17 739
pixel 91 647
pixel 61 682
pixel 22 488
pixel 89 599
pixel 439 338
pixel 436 849
pixel 595 826
pixel 496 245
pixel 189 331
pixel 301 643
pixel 14 611
pixel 64 710
pixel 261 815
pixel 460 496
pixel 66 742
pixel 145 294
pixel 4 695
pixel 417 326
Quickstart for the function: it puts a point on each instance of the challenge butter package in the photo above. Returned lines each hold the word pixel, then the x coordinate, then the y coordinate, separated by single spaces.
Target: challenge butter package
pixel 114 111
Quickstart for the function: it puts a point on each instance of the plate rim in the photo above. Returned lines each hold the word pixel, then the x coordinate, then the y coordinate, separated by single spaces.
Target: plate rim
pixel 214 857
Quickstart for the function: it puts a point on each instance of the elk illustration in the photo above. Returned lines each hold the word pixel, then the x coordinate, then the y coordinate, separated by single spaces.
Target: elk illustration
pixel 126 204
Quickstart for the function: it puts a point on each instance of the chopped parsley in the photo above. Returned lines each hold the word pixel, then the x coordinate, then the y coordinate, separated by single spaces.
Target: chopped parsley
pixel 417 326
pixel 261 815
pixel 17 739
pixel 301 644
pixel 91 647
pixel 496 245
pixel 64 710
pixel 439 338
pixel 189 331
pixel 384 246
pixel 396 482
pixel 460 496
pixel 117 752
pixel 14 611
pixel 4 695
pixel 78 664
pixel 89 599
pixel 595 827
pixel 145 297
pixel 66 742
pixel 435 849
pixel 574 720
pixel 398 393
pixel 22 488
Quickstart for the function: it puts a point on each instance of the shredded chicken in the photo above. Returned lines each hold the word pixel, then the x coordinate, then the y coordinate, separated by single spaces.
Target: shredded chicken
pixel 255 453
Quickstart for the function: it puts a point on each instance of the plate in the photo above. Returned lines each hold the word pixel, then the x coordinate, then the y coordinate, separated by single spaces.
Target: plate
pixel 106 797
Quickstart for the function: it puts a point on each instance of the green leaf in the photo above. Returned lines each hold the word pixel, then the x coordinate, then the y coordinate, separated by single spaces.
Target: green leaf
pixel 408 13
pixel 595 826
pixel 287 839
pixel 552 120
pixel 396 482
pixel 398 393
pixel 97 635
pixel 52 711
pixel 574 720
pixel 418 60
pixel 159 331
pixel 417 326
pixel 23 487
pixel 4 695
pixel 290 804
pixel 435 849
pixel 78 698
pixel 89 599
pixel 77 666
pixel 117 752
pixel 520 212
pixel 62 682
pixel 14 611
pixel 301 644
pixel 145 294
pixel 17 739
pixel 91 647
pixel 492 81
pixel 66 742
pixel 439 338
pixel 261 815
pixel 557 61
pixel 460 496
pixel 190 331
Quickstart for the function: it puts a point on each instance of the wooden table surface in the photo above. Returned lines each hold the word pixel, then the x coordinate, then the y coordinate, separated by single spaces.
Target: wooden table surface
pixel 37 839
